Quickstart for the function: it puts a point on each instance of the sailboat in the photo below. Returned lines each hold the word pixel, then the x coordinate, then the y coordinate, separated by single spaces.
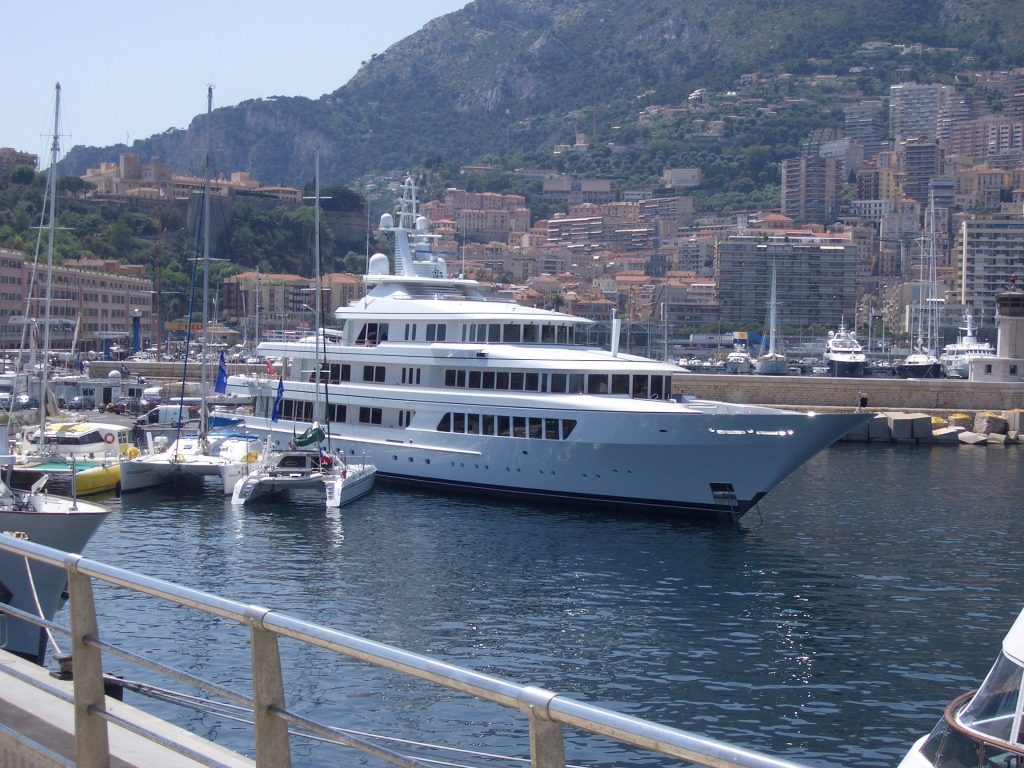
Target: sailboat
pixel 922 362
pixel 772 362
pixel 225 456
pixel 88 463
pixel 54 521
pixel 305 464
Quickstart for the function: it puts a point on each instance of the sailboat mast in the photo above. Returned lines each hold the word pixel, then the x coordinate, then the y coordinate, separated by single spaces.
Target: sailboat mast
pixel 52 183
pixel 204 418
pixel 317 309
pixel 771 316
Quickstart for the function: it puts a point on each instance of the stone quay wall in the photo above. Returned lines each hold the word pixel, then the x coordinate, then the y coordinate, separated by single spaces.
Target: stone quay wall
pixel 882 393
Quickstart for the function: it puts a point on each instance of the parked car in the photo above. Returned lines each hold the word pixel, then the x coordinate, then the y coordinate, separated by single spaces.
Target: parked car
pixel 81 403
pixel 124 405
pixel 22 402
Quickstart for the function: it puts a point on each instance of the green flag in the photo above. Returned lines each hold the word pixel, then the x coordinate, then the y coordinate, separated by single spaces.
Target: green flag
pixel 312 435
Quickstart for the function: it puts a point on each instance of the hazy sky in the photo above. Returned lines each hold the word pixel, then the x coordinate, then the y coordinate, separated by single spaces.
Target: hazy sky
pixel 131 68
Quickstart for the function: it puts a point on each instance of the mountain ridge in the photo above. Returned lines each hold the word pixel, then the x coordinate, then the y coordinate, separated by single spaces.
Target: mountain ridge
pixel 512 78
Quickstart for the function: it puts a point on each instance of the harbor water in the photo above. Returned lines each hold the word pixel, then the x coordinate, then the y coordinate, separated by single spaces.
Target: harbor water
pixel 829 627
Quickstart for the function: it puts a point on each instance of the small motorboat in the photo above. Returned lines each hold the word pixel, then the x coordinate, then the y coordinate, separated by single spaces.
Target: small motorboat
pixel 981 728
pixel 291 470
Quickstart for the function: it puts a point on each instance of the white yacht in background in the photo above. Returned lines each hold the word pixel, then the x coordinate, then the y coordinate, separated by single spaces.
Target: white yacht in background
pixel 437 386
pixel 739 361
pixel 956 357
pixel 844 356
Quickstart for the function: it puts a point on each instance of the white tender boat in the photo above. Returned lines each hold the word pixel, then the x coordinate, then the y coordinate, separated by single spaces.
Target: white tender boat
pixel 297 470
pixel 440 387
pixel 981 728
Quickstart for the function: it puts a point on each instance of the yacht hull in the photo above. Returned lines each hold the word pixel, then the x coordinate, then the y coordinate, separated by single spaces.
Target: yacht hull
pixel 46 520
pixel 717 465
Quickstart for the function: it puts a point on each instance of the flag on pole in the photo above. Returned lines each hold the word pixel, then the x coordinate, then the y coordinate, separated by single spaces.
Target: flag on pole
pixel 277 400
pixel 222 375
pixel 315 434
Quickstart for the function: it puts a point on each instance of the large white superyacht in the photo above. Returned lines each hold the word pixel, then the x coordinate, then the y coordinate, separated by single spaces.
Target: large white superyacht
pixel 438 386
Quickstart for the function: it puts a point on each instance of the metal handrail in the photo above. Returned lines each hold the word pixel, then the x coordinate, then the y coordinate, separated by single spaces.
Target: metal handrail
pixel 547 711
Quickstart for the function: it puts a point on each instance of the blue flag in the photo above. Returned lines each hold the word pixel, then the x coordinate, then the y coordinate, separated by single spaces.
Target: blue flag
pixel 222 375
pixel 277 400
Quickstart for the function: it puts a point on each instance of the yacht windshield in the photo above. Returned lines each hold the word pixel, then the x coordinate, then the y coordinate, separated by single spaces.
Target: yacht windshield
pixel 992 709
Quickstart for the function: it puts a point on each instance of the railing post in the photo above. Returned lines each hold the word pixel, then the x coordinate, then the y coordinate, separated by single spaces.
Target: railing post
pixel 92 747
pixel 272 747
pixel 547 749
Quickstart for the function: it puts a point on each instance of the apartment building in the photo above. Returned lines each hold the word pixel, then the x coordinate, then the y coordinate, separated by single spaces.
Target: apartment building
pixel 810 189
pixel 989 256
pixel 12 158
pixel 91 298
pixel 816 283
pixel 914 110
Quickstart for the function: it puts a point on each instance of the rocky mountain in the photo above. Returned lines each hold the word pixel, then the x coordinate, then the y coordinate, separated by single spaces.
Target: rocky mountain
pixel 510 78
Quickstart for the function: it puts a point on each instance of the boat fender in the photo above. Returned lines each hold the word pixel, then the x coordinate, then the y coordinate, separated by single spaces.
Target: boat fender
pixel 250 457
pixel 133 452
pixel 108 438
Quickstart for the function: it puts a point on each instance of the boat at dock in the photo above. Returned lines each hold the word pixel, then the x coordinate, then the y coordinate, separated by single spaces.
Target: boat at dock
pixel 844 355
pixel 439 387
pixel 772 361
pixel 956 357
pixel 982 727
pixel 284 471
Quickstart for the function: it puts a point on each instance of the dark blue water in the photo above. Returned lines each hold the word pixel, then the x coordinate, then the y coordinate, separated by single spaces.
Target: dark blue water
pixel 874 586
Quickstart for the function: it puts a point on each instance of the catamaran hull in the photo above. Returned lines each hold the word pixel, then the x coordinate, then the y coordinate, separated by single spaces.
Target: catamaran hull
pixel 47 523
pixel 154 471
pixel 713 465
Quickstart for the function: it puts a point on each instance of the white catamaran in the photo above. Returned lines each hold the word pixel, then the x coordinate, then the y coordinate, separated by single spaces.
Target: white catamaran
pixel 440 387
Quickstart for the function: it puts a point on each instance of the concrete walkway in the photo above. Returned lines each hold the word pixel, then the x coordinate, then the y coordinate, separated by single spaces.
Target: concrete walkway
pixel 37 728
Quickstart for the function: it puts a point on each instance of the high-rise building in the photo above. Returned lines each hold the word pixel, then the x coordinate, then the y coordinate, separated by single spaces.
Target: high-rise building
pixel 865 124
pixel 914 110
pixel 989 253
pixel 816 278
pixel 810 189
pixel 920 160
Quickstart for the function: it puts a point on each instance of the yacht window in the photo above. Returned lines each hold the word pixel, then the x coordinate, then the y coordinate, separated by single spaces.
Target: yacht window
pixel 563 334
pixel 445 424
pixel 488 379
pixel 597 384
pixel 501 380
pixel 550 429
pixel 531 334
pixel 370 415
pixel 532 382
pixel 620 384
pixel 472 424
pixel 494 333
pixel 340 373
pixel 474 379
pixel 511 333
pixel 487 427
pixel 418 372
pixel 336 412
pixel 575 383
pixel 449 377
pixel 435 331
pixel 536 425
pixel 568 425
pixel 640 386
pixel 547 334
pixel 504 426
pixel 460 378
pixel 516 383
pixel 459 422
pixel 657 386
pixel 558 382
pixel 518 426
pixel 373 373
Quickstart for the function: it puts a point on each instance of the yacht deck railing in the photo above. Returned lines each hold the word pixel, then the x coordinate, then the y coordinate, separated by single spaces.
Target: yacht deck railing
pixel 547 712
